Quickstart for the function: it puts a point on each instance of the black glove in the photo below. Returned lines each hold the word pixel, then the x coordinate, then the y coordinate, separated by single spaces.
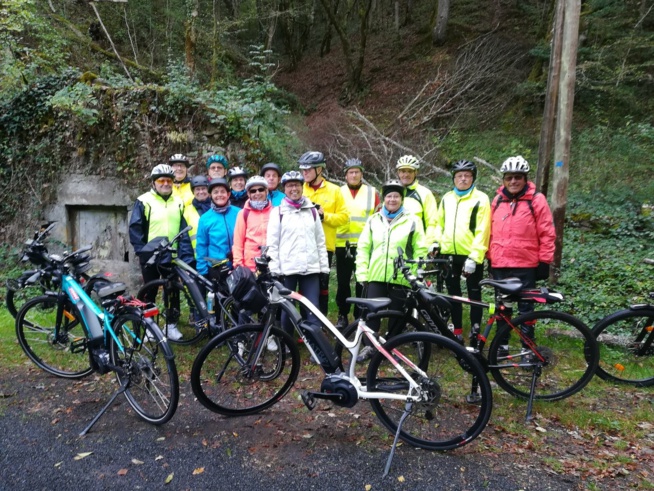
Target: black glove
pixel 542 271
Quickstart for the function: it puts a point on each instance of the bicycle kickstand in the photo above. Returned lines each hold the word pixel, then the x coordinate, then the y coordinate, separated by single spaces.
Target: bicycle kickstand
pixel 532 392
pixel 121 389
pixel 407 410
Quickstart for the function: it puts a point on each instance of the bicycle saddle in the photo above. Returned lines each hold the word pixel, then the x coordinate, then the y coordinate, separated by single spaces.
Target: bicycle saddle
pixel 371 304
pixel 507 285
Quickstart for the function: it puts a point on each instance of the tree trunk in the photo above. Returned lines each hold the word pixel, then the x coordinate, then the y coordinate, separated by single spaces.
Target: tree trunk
pixel 442 17
pixel 190 35
pixel 549 112
pixel 570 40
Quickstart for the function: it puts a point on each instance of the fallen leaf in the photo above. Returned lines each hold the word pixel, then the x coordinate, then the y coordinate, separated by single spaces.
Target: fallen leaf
pixel 169 478
pixel 158 457
pixel 160 439
pixel 541 429
pixel 235 434
pixel 401 478
pixel 137 462
pixel 205 443
pixel 197 471
pixel 122 472
pixel 368 487
pixel 228 452
pixel 82 455
pixel 58 464
pixel 307 435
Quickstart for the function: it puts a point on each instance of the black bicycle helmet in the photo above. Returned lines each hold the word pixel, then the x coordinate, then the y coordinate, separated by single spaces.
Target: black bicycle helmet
pixel 311 159
pixel 270 166
pixel 393 185
pixel 219 181
pixel 353 164
pixel 465 165
pixel 199 181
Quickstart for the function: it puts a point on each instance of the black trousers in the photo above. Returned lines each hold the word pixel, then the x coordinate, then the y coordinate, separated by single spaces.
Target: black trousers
pixel 453 282
pixel 345 267
pixel 323 301
pixel 528 278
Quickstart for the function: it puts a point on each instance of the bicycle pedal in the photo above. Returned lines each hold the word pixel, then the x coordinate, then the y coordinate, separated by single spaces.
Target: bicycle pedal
pixel 78 345
pixel 473 398
pixel 309 401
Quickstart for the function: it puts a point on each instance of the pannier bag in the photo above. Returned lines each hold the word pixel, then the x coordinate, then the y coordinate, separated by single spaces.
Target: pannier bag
pixel 243 287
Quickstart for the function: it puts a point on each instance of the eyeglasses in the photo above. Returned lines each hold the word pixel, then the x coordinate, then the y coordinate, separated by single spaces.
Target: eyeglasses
pixel 163 181
pixel 257 190
pixel 516 177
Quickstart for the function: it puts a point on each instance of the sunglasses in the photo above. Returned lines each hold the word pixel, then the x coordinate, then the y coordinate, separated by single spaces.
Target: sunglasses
pixel 257 190
pixel 164 180
pixel 518 177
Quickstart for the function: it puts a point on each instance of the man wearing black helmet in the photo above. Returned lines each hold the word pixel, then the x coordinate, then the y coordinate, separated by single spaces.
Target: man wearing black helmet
pixel 361 201
pixel 462 233
pixel 331 208
pixel 181 181
pixel 272 173
pixel 158 213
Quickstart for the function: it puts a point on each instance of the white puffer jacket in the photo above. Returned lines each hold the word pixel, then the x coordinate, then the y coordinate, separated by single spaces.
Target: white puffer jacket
pixel 296 241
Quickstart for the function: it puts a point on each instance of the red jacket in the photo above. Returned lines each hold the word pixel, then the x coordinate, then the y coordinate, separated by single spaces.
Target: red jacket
pixel 250 234
pixel 522 230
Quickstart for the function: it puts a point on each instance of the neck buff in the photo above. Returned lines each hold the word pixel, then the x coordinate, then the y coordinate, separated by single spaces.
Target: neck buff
pixel 236 195
pixel 390 215
pixel 220 209
pixel 295 204
pixel 258 205
pixel 463 193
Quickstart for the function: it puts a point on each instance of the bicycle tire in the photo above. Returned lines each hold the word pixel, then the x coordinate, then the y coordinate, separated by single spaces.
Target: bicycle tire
pixel 626 345
pixel 35 330
pixel 148 368
pixel 446 421
pixel 220 378
pixel 183 317
pixel 231 315
pixel 566 343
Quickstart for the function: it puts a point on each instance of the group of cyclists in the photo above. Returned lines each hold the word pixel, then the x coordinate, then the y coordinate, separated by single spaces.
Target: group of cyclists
pixel 306 221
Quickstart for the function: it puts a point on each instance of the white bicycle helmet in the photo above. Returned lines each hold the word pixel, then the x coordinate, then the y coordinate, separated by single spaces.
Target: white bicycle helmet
pixel 237 172
pixel 407 162
pixel 254 180
pixel 161 170
pixel 515 164
pixel 179 157
pixel 292 175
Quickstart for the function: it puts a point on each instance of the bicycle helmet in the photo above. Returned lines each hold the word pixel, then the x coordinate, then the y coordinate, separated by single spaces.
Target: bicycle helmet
pixel 292 175
pixel 393 185
pixel 199 181
pixel 219 181
pixel 237 172
pixel 270 166
pixel 178 157
pixel 161 170
pixel 311 159
pixel 465 165
pixel 254 180
pixel 217 158
pixel 353 164
pixel 407 162
pixel 515 164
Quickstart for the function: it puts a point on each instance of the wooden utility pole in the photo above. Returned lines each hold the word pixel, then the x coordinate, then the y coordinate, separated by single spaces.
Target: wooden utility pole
pixel 551 96
pixel 570 41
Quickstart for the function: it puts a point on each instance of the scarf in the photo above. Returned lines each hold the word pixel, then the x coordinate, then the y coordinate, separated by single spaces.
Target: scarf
pixel 237 195
pixel 463 193
pixel 220 209
pixel 202 206
pixel 295 204
pixel 259 205
pixel 390 215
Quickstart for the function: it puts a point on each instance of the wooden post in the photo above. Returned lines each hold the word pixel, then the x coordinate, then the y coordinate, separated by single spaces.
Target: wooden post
pixel 564 125
pixel 551 96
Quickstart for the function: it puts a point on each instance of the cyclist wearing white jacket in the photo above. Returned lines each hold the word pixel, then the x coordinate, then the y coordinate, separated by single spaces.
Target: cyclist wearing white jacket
pixel 296 244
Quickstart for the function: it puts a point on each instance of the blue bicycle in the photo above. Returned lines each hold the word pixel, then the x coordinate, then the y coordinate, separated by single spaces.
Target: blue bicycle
pixel 67 334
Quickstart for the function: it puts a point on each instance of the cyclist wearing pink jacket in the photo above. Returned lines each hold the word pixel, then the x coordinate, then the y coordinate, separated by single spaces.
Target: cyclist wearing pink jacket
pixel 522 230
pixel 252 223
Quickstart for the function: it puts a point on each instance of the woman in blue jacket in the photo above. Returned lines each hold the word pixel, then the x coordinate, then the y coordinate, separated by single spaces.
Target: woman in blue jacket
pixel 215 236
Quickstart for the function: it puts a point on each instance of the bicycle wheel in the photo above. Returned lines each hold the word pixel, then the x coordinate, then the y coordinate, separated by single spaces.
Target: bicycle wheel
pixel 16 296
pixel 231 315
pixel 626 345
pixel 567 345
pixel 61 352
pixel 442 419
pixel 146 367
pixel 227 380
pixel 184 316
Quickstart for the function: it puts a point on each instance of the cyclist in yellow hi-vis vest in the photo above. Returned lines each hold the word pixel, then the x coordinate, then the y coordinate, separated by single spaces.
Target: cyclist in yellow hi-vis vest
pixel 331 209
pixel 158 213
pixel 181 180
pixel 361 201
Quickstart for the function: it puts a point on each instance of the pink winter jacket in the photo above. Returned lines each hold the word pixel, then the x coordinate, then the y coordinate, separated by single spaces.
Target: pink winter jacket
pixel 249 236
pixel 521 235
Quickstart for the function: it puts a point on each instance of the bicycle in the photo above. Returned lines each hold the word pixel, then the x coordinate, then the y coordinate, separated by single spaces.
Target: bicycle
pixel 39 281
pixel 626 344
pixel 413 382
pixel 541 355
pixel 66 334
pixel 179 294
